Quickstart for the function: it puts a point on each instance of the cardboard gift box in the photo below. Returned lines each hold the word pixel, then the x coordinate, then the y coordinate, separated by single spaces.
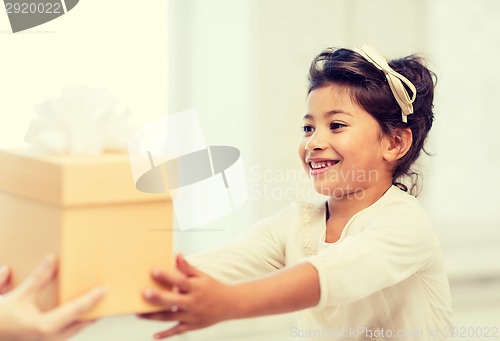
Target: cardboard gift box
pixel 87 211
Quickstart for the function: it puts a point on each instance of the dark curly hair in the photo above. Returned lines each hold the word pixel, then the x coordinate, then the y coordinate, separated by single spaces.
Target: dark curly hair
pixel 368 87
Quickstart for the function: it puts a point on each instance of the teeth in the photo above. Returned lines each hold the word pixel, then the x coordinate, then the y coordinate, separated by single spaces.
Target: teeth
pixel 322 164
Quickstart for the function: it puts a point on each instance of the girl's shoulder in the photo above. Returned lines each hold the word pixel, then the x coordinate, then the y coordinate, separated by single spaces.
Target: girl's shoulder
pixel 396 202
pixel 398 213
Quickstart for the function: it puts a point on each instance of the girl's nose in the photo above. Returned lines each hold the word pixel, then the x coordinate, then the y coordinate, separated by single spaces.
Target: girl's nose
pixel 315 142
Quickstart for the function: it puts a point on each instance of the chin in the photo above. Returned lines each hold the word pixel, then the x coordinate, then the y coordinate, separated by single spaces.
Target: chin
pixel 328 190
pixel 337 191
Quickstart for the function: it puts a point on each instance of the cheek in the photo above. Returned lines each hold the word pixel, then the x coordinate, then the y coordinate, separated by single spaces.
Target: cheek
pixel 301 149
pixel 356 153
pixel 368 157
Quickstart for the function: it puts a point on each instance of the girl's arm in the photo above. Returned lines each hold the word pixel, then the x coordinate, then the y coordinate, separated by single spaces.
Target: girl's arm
pixel 197 300
pixel 259 252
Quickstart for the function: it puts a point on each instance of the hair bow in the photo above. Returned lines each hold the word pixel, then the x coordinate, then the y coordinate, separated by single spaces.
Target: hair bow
pixel 394 79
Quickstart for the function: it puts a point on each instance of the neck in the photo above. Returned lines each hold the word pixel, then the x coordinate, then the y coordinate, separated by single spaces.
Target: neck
pixel 345 207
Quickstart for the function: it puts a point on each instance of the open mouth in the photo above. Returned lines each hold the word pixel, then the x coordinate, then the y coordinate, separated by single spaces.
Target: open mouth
pixel 321 166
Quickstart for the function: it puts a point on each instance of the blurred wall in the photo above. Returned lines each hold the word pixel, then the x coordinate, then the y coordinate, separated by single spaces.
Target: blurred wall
pixel 115 44
pixel 463 183
pixel 212 68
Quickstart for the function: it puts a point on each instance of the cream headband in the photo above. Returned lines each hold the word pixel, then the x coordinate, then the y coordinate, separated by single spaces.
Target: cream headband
pixel 395 80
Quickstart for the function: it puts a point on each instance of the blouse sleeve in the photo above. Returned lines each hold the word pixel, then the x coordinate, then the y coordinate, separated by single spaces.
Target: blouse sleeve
pixel 261 250
pixel 390 249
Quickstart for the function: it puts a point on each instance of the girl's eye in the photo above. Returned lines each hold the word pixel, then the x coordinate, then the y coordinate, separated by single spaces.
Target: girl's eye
pixel 337 125
pixel 307 129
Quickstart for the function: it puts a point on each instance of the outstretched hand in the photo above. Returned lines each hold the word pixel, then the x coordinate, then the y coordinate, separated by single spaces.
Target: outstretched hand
pixel 192 298
pixel 22 320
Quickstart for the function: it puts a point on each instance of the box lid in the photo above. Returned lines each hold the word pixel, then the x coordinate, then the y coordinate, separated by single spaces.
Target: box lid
pixel 71 180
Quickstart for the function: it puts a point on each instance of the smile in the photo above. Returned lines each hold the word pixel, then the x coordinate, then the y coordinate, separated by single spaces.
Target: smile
pixel 321 166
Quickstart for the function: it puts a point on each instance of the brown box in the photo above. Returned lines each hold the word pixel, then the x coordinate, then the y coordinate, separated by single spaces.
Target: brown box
pixel 87 211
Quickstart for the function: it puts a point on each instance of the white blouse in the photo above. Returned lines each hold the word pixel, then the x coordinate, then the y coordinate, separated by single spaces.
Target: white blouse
pixel 382 280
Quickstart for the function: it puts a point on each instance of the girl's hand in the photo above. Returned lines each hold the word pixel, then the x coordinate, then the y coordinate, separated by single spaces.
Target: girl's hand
pixel 192 298
pixel 22 320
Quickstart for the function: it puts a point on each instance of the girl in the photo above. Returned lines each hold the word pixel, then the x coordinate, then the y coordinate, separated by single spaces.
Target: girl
pixel 364 264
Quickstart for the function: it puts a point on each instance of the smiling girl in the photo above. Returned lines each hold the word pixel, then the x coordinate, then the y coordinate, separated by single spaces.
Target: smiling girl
pixel 363 264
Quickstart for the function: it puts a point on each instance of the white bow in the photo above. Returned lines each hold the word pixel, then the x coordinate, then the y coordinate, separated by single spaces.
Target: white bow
pixel 395 80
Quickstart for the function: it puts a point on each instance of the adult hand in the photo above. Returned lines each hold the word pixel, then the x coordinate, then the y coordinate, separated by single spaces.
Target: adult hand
pixel 22 320
pixel 190 297
pixel 4 280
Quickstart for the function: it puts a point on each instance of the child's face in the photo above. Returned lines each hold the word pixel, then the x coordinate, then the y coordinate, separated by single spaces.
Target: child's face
pixel 343 145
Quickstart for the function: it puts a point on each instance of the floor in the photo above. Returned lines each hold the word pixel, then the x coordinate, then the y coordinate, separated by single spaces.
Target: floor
pixel 128 328
pixel 477 309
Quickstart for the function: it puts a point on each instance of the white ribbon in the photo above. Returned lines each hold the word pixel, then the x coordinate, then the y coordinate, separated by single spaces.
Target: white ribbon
pixel 395 80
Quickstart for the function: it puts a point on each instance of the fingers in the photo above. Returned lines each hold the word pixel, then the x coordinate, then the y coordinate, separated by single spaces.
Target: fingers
pixel 4 279
pixel 157 316
pixel 40 278
pixel 171 279
pixel 176 330
pixel 167 299
pixel 176 279
pixel 68 313
pixel 167 315
pixel 185 267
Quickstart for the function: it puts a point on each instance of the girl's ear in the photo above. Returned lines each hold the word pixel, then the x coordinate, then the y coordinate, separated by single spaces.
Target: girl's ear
pixel 397 144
